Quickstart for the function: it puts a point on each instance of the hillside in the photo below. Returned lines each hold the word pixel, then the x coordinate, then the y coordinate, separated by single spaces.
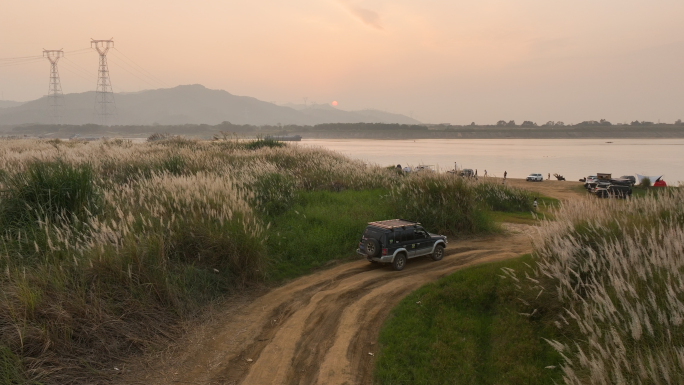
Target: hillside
pixel 9 103
pixel 191 104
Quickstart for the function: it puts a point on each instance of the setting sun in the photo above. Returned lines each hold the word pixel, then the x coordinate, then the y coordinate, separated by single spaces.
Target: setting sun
pixel 334 103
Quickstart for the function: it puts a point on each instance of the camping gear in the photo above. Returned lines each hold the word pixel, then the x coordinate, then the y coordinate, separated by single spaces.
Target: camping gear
pixel 651 178
pixel 659 183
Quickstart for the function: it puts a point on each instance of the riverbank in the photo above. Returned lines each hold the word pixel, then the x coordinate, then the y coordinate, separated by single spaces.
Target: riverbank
pixel 487 132
pixel 352 131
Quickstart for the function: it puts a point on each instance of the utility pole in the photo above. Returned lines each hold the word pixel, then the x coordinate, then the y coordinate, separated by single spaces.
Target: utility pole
pixel 55 96
pixel 105 108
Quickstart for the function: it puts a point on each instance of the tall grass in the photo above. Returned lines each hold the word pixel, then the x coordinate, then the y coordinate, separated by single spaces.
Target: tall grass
pixel 105 246
pixel 319 227
pixel 50 190
pixel 613 273
pixel 454 205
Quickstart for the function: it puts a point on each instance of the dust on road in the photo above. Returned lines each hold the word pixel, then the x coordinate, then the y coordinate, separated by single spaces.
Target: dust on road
pixel 318 329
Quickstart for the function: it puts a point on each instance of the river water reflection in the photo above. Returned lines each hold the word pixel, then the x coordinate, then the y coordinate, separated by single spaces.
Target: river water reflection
pixel 572 158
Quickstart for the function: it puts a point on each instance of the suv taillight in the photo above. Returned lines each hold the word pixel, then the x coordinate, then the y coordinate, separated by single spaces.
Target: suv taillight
pixel 384 251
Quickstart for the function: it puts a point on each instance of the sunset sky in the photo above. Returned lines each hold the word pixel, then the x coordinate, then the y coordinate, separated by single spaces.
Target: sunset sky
pixel 453 61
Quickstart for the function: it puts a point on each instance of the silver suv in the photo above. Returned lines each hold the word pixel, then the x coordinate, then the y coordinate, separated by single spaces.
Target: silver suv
pixel 534 178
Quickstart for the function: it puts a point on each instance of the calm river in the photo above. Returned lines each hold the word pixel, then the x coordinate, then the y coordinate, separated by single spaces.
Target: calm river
pixel 572 158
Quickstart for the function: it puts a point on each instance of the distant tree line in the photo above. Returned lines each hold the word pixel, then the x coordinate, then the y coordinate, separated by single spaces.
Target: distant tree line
pixel 586 123
pixel 206 130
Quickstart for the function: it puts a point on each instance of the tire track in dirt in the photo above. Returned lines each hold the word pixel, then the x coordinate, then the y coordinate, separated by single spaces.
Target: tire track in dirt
pixel 318 329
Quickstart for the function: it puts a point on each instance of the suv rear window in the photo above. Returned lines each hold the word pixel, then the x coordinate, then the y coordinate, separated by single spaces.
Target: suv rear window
pixel 372 233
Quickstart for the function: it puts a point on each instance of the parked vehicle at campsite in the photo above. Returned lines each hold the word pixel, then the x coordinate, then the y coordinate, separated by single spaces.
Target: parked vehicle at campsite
pixel 467 173
pixel 613 191
pixel 534 178
pixel 590 182
pixel 631 178
pixel 424 167
pixel 395 241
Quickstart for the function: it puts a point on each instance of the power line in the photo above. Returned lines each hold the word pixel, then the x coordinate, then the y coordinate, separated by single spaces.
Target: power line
pixel 10 64
pixel 80 50
pixel 78 73
pixel 141 68
pixel 79 67
pixel 21 57
pixel 121 65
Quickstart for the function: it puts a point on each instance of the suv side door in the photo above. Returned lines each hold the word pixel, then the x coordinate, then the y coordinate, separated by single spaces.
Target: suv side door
pixel 424 242
pixel 408 241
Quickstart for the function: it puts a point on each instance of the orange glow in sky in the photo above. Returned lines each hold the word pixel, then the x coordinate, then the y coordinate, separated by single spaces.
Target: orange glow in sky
pixel 436 60
pixel 334 103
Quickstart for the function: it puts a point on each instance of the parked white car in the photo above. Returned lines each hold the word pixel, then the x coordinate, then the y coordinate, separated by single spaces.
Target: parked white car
pixel 534 178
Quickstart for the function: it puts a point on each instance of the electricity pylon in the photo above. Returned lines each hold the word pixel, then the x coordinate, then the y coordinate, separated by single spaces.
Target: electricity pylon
pixel 105 108
pixel 55 96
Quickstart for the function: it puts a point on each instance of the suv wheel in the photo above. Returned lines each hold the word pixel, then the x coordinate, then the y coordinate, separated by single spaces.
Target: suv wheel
pixel 372 247
pixel 399 262
pixel 438 254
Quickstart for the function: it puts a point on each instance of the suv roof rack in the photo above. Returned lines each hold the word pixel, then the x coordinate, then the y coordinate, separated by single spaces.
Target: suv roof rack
pixel 393 223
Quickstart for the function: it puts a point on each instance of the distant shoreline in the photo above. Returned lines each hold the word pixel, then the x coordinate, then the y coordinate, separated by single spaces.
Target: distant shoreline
pixel 613 132
pixel 656 131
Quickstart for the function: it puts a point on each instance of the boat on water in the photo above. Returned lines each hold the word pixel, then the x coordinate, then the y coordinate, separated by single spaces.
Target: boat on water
pixel 284 138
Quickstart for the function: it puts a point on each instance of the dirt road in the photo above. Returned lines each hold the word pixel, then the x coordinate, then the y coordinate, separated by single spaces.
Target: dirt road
pixel 318 329
pixel 321 328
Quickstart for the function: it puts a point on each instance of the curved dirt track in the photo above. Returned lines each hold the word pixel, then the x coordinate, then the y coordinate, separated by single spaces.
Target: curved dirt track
pixel 318 329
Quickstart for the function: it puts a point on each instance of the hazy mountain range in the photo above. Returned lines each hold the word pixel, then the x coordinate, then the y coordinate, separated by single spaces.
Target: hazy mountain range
pixel 9 103
pixel 190 104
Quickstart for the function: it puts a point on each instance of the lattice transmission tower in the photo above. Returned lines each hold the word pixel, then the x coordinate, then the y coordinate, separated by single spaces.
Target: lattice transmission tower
pixel 105 107
pixel 55 96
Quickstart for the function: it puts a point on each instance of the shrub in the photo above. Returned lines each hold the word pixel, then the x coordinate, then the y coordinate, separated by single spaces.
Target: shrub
pixel 156 136
pixel 442 203
pixel 263 142
pixel 645 182
pixel 499 197
pixel 273 193
pixel 47 190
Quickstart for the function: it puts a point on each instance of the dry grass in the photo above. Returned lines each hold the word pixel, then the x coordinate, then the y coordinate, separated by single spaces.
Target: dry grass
pixel 106 245
pixel 613 273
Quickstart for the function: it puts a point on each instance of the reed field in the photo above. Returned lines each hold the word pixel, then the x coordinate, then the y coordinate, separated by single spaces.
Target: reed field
pixel 610 276
pixel 604 289
pixel 106 246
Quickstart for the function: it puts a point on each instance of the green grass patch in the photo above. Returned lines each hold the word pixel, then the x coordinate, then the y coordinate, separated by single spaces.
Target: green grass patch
pixel 319 227
pixel 11 369
pixel 466 329
pixel 530 217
